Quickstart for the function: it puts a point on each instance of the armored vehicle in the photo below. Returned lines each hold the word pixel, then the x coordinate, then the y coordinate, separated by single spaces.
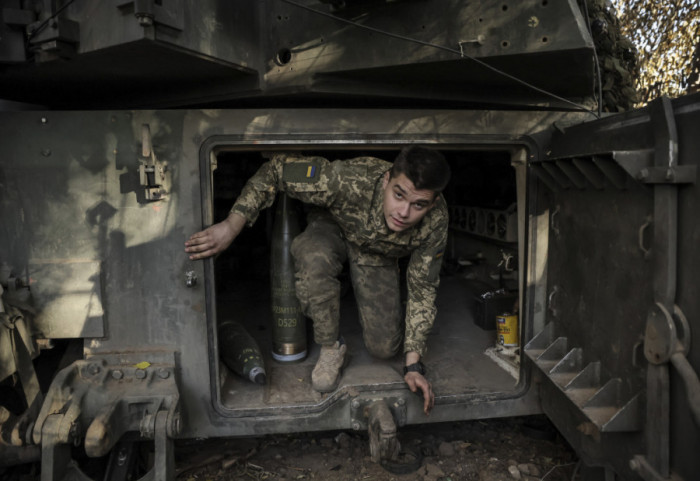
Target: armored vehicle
pixel 128 125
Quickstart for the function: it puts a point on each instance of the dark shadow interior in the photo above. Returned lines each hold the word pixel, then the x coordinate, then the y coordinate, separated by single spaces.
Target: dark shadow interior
pixel 479 280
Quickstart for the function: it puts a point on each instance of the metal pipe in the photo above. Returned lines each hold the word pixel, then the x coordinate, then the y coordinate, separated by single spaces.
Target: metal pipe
pixel 692 383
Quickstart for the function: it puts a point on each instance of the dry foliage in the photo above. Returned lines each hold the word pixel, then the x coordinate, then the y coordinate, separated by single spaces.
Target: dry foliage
pixel 667 37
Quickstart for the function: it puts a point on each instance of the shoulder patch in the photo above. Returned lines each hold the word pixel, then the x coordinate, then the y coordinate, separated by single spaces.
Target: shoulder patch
pixel 297 172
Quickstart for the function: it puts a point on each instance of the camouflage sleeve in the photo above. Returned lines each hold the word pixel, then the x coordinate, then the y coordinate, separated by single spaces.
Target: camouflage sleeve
pixel 303 178
pixel 423 278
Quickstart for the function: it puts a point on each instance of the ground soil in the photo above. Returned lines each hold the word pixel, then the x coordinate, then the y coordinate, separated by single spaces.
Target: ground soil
pixel 526 448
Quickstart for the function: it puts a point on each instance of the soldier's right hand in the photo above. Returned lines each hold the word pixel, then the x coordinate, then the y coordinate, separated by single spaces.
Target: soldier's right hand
pixel 215 238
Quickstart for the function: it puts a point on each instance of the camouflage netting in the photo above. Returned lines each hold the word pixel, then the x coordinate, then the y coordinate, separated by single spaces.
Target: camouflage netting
pixel 667 38
pixel 617 57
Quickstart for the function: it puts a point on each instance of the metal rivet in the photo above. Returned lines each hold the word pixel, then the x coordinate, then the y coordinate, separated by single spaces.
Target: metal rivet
pixel 355 426
pixel 117 374
pixel 122 457
pixel 176 424
pixel 93 369
pixel 163 373
pixel 355 404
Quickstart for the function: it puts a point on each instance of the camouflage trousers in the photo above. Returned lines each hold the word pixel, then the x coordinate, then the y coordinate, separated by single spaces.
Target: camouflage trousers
pixel 319 255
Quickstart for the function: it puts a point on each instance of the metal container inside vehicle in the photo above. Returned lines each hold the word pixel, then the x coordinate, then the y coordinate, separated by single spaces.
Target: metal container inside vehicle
pixel 507 329
pixel 288 322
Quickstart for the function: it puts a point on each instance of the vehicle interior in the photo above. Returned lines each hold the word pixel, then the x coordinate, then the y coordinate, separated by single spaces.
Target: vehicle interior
pixel 479 282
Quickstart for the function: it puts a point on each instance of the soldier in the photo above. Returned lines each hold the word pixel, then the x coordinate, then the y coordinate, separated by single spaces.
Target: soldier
pixel 373 213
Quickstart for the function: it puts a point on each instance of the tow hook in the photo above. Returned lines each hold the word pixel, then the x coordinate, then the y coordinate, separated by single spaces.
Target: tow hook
pixel 383 444
pixel 380 417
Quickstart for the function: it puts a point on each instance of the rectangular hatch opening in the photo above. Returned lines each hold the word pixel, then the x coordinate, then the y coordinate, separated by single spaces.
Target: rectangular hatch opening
pixel 479 281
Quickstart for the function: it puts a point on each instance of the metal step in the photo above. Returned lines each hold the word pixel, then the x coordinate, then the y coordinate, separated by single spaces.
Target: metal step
pixel 600 398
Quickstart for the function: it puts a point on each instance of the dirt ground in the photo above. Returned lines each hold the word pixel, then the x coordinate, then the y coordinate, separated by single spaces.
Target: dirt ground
pixel 525 448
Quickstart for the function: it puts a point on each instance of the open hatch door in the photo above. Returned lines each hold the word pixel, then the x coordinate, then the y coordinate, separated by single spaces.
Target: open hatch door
pixel 614 352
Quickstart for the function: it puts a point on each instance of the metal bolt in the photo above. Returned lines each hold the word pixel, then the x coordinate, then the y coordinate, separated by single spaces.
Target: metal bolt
pixel 176 424
pixel 94 369
pixel 117 374
pixel 355 426
pixel 634 464
pixel 643 174
pixel 670 174
pixel 46 152
pixel 121 457
pixel 145 20
pixel 74 430
pixel 190 279
pixel 44 120
pixel 402 401
pixel 163 373
pixel 140 374
pixel 355 404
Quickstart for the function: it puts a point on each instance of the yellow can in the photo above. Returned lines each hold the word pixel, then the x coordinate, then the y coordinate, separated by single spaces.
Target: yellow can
pixel 507 329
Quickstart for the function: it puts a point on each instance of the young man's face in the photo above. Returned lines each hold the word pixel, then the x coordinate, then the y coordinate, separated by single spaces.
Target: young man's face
pixel 404 205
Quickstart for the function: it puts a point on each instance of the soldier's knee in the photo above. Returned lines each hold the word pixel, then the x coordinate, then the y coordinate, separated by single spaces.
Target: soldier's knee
pixel 297 248
pixel 383 350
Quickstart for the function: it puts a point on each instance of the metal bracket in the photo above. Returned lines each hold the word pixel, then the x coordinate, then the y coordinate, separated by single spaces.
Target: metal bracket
pixel 16 338
pixel 647 167
pixel 150 12
pixel 666 169
pixel 153 174
pixel 667 338
pixel 660 336
pixel 641 466
pixel 360 410
pixel 99 400
pixel 53 36
pixel 680 174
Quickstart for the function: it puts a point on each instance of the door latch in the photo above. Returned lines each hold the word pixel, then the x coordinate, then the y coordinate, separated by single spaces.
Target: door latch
pixel 153 174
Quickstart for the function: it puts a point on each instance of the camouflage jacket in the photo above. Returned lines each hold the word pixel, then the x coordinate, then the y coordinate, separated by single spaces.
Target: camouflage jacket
pixel 352 192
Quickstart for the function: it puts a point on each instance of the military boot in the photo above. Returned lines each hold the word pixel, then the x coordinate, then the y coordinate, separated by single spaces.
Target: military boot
pixel 326 374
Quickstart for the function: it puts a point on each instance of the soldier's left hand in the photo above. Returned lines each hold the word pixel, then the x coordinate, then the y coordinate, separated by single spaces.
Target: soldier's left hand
pixel 417 381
